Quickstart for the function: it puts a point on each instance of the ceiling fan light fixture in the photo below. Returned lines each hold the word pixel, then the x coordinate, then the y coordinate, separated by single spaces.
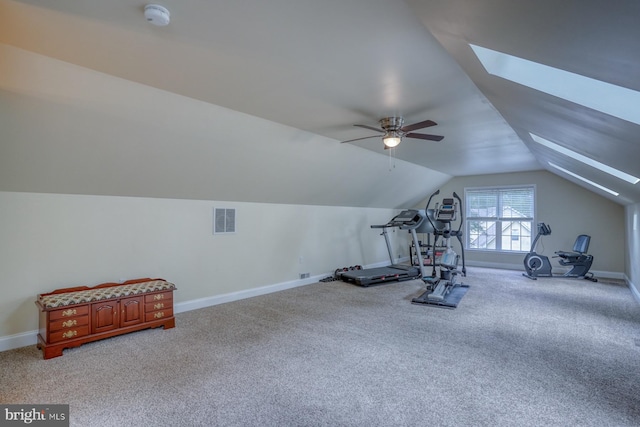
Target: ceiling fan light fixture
pixel 393 131
pixel 391 139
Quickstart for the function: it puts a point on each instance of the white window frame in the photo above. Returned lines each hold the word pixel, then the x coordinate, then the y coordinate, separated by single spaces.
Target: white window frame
pixel 497 218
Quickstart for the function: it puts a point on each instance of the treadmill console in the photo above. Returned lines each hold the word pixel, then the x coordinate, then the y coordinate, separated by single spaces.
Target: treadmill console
pixel 406 219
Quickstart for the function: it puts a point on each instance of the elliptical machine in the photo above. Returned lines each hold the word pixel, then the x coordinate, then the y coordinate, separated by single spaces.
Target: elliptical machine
pixel 444 290
pixel 536 265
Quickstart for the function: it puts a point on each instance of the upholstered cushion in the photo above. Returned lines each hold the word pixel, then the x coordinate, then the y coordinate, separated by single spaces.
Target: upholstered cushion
pixel 98 293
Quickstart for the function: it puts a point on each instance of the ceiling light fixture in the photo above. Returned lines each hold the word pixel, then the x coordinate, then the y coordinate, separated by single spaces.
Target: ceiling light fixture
pixel 581 178
pixel 157 15
pixel 605 97
pixel 586 160
pixel 391 139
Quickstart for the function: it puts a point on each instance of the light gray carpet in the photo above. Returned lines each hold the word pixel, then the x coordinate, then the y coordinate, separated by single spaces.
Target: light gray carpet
pixel 552 352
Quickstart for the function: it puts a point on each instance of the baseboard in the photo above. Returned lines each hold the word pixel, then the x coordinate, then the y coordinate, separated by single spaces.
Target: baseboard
pixel 239 295
pixel 498 265
pixel 608 274
pixel 23 339
pixel 634 289
pixel 556 269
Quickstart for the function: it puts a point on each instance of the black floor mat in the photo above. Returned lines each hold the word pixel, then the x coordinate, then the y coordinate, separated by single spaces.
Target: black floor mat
pixel 450 301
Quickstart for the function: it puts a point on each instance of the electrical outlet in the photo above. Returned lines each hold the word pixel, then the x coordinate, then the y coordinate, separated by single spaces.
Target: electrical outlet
pixel 305 275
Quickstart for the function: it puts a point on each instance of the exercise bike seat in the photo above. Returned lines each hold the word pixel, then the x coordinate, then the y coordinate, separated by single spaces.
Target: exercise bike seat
pixel 580 248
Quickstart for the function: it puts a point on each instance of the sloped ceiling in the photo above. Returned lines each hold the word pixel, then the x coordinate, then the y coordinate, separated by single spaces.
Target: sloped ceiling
pixel 591 38
pixel 323 66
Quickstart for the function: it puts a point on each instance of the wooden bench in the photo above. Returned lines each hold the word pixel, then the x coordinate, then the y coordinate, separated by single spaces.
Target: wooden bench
pixel 71 317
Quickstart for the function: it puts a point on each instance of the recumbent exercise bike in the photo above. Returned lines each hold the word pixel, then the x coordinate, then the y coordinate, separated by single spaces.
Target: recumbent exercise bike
pixel 537 265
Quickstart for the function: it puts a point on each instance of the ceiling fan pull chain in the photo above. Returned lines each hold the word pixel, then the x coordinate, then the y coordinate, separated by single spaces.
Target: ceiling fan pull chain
pixel 392 158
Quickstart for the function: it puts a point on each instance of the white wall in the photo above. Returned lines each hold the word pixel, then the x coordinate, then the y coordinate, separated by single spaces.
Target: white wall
pixel 569 209
pixel 51 241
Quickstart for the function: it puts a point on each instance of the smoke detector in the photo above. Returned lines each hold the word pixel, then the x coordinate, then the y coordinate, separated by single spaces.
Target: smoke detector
pixel 157 15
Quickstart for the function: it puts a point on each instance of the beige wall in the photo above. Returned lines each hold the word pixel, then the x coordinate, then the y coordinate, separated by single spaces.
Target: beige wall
pixel 569 209
pixel 74 142
pixel 51 241
pixel 632 249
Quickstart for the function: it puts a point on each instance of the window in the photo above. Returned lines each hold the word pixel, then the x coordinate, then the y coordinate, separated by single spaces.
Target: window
pixel 610 99
pixel 499 219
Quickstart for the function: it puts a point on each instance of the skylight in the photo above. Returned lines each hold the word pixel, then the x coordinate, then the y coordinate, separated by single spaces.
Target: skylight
pixel 586 160
pixel 614 100
pixel 581 178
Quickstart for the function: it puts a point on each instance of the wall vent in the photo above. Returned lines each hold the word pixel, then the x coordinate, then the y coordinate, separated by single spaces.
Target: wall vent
pixel 224 221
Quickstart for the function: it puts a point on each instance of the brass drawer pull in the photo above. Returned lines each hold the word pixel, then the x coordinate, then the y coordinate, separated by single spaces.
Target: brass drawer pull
pixel 70 312
pixel 158 297
pixel 158 306
pixel 158 315
pixel 69 334
pixel 69 323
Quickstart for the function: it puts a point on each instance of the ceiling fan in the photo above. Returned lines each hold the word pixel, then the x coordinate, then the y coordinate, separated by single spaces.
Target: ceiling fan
pixel 393 131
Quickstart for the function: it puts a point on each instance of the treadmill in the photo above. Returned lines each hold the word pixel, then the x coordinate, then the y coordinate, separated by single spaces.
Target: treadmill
pixel 410 220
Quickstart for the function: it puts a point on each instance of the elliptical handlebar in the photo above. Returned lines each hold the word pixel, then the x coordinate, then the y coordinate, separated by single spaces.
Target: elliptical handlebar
pixel 461 212
pixel 426 210
pixel 458 233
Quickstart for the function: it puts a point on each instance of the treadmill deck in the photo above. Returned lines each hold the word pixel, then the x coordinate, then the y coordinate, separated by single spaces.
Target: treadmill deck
pixel 373 276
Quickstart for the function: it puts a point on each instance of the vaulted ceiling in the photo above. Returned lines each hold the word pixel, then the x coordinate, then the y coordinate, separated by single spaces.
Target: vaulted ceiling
pixel 323 66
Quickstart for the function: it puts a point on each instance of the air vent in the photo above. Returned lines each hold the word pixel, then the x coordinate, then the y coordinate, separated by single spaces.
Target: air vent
pixel 224 221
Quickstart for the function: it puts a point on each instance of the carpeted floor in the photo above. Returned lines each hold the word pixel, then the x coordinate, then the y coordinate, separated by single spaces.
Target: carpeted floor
pixel 516 352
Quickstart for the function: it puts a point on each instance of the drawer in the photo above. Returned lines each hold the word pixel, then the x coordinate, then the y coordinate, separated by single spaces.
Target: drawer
pixel 65 313
pixel 158 305
pixel 157 315
pixel 72 322
pixel 67 334
pixel 162 296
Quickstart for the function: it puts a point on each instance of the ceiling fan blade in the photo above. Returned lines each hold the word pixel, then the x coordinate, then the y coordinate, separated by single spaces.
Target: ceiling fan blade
pixel 358 139
pixel 419 125
pixel 370 128
pixel 425 136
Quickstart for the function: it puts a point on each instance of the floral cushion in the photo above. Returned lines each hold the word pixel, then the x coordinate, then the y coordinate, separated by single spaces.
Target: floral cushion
pixel 98 293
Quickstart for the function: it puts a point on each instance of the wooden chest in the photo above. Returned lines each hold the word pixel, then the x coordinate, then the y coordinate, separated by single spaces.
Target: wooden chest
pixel 74 316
